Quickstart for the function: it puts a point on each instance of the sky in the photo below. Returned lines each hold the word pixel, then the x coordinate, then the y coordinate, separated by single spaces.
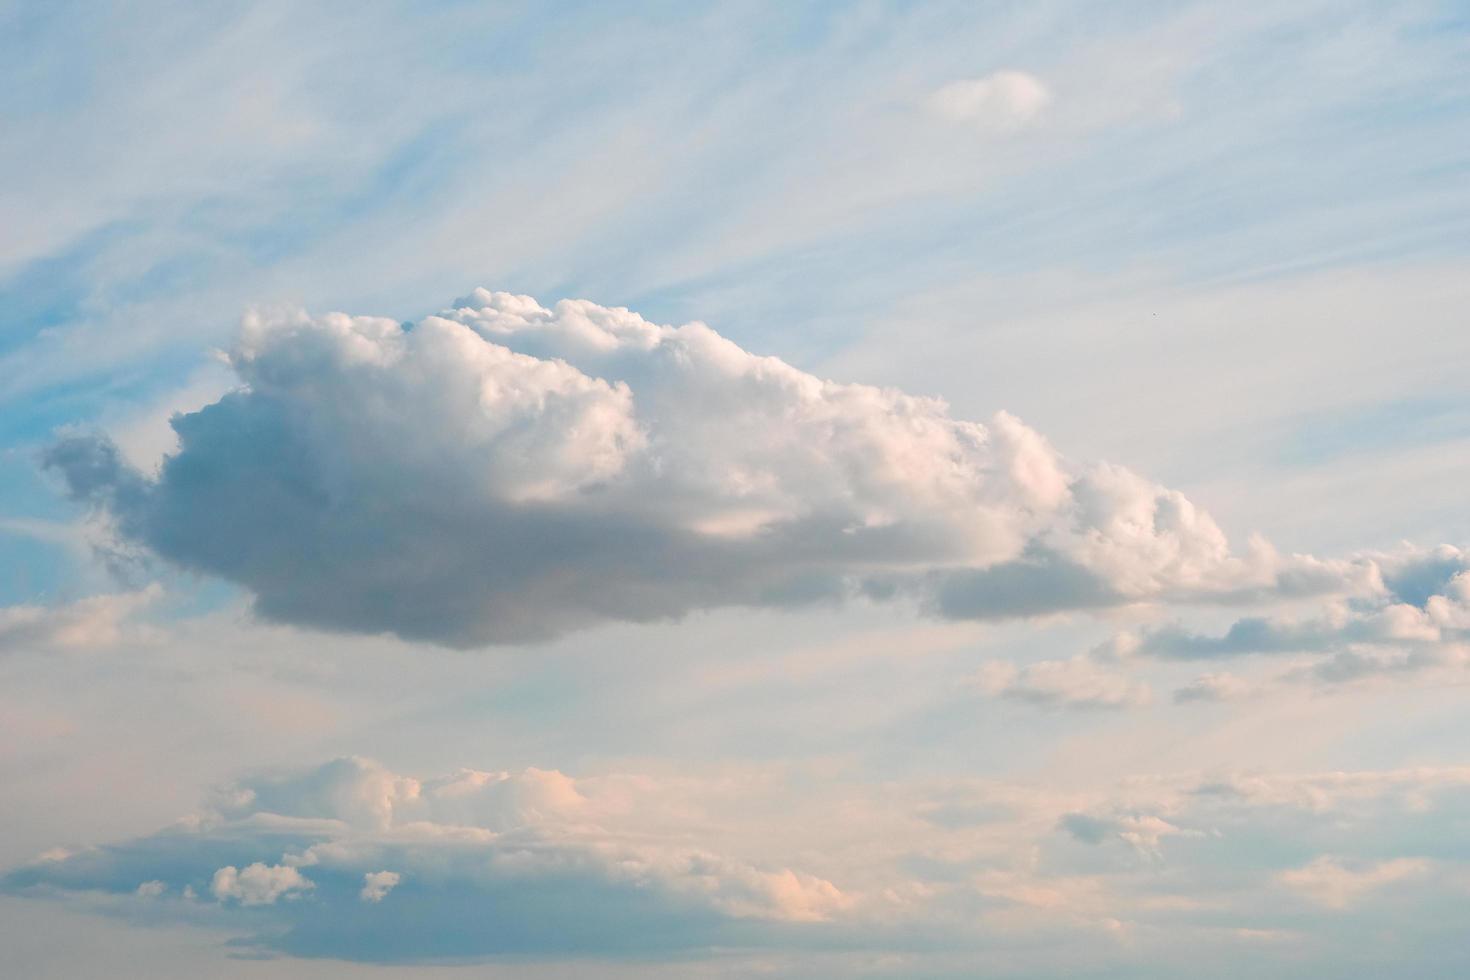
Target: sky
pixel 734 490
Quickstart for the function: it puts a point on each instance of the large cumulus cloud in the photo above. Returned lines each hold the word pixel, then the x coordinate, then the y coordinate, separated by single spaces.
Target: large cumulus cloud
pixel 505 472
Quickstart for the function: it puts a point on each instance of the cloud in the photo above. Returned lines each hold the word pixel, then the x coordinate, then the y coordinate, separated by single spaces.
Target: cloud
pixel 83 624
pixel 485 863
pixel 1329 882
pixel 1003 100
pixel 1417 621
pixel 1074 683
pixel 1410 788
pixel 505 472
pixel 258 884
pixel 1215 687
pixel 1140 831
pixel 351 860
pixel 377 884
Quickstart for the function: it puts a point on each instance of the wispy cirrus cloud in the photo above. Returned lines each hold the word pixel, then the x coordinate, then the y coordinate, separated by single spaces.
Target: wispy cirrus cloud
pixel 1003 100
pixel 96 621
pixel 1075 683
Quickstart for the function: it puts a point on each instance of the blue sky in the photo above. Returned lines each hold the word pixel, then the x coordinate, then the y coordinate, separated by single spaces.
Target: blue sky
pixel 1101 328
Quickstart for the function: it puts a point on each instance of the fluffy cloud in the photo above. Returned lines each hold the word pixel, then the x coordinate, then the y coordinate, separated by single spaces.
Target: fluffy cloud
pixel 1424 598
pixel 1003 100
pixel 505 472
pixel 257 884
pixel 1415 620
pixel 83 624
pixel 1142 832
pixel 377 884
pixel 486 862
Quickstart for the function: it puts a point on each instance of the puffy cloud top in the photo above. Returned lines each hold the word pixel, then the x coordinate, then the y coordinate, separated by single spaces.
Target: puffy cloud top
pixel 505 472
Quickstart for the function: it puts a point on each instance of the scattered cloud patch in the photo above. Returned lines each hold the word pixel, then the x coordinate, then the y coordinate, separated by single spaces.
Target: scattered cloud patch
pixel 377 884
pixel 1001 101
pixel 535 863
pixel 1074 683
pixel 1413 621
pixel 502 862
pixel 1140 831
pixel 1215 688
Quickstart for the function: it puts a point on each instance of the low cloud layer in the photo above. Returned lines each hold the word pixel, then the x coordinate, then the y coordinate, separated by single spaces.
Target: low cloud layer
pixel 352 860
pixel 505 472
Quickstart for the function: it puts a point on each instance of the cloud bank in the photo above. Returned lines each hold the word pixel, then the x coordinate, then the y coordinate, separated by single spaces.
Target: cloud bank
pixel 352 860
pixel 505 472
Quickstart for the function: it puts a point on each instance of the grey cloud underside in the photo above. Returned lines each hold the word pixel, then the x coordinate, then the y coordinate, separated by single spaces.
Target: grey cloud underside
pixel 1422 610
pixel 440 918
pixel 508 473
pixel 519 572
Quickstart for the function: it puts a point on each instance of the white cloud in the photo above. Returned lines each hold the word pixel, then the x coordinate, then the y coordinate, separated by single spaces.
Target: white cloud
pixel 1003 100
pixel 258 884
pixel 377 884
pixel 1413 621
pixel 506 472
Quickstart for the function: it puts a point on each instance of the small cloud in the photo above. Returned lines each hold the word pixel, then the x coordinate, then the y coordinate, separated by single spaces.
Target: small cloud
pixel 1002 100
pixel 1140 831
pixel 258 884
pixel 151 889
pixel 377 884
